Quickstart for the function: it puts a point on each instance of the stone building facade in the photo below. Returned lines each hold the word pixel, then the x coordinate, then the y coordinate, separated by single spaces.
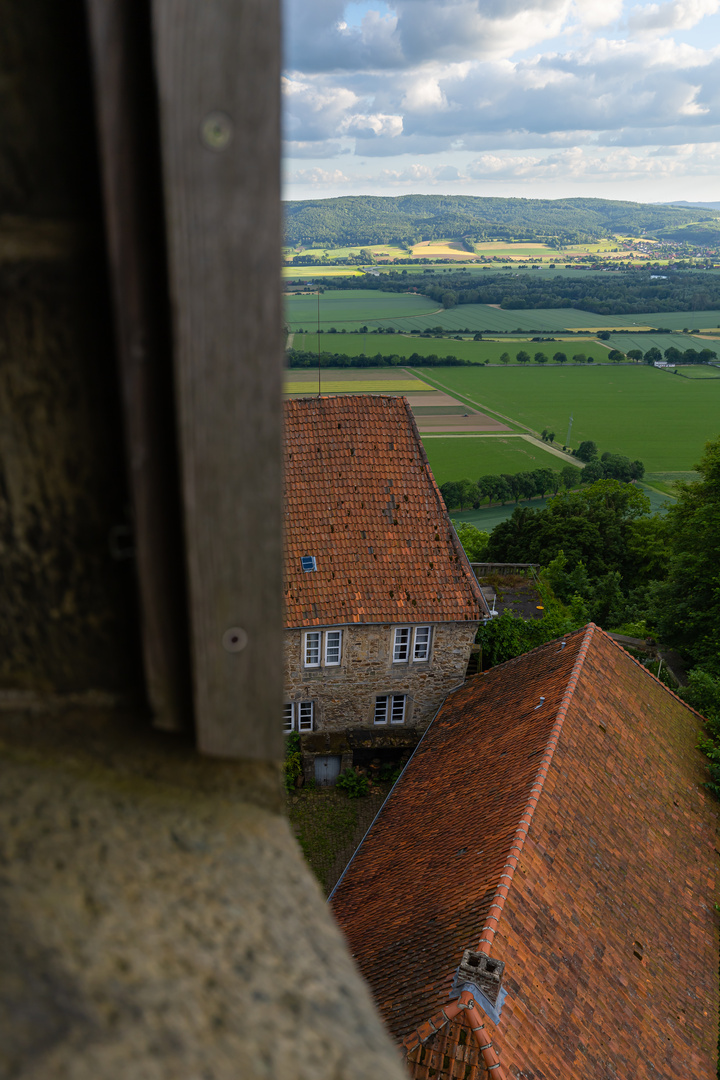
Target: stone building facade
pixel 382 606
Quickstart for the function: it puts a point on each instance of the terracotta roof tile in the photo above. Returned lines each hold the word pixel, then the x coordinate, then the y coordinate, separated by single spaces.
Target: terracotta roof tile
pixel 360 497
pixel 618 859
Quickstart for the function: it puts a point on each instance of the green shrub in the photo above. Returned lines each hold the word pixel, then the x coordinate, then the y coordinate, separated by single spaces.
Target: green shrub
pixel 353 783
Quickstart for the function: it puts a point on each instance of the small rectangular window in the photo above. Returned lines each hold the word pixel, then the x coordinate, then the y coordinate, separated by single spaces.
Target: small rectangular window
pixel 308 563
pixel 312 648
pixel 288 718
pixel 333 644
pixel 401 645
pixel 381 709
pixel 421 645
pixel 397 712
pixel 305 715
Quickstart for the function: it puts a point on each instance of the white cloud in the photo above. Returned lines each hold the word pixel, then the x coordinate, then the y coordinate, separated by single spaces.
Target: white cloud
pixel 672 15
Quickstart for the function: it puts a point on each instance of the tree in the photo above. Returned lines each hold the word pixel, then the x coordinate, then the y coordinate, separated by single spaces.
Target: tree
pixel 593 525
pixel 450 492
pixel 544 434
pixel 571 476
pixel 687 604
pixel 635 354
pixel 586 451
pixel 540 358
pixel 505 358
pixel 706 355
pixel 544 481
pixel 653 356
pixel 672 355
pixel 469 494
pixel 616 356
pixel 580 358
pixel 560 358
pixel 593 471
pixel 522 357
pixel 473 540
pixel 551 437
pixel 486 486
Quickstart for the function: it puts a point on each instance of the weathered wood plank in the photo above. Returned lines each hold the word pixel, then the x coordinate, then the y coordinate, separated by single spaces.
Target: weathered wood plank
pixel 127 122
pixel 218 66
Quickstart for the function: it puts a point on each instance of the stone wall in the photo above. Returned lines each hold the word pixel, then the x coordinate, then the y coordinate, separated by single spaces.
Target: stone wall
pixel 345 695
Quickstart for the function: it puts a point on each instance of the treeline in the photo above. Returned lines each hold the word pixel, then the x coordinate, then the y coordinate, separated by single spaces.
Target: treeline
pixel 630 293
pixel 354 220
pixel 304 358
pixel 508 487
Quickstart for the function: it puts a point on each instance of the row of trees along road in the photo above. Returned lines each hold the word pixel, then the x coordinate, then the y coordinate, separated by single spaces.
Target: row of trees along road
pixel 509 487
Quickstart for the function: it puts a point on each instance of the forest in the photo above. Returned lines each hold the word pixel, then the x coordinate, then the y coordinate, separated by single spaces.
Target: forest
pixel 408 219
pixel 635 291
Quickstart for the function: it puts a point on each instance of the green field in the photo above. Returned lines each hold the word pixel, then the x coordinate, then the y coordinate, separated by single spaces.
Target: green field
pixel 477 351
pixel 347 309
pixel 457 458
pixel 351 307
pixel 330 385
pixel 625 342
pixel 638 411
pixel 699 371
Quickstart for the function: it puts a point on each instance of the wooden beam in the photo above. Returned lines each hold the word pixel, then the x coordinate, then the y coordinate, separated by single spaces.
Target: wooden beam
pixel 125 98
pixel 218 68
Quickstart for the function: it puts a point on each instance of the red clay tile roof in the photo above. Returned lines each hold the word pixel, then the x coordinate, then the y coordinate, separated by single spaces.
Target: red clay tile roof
pixel 360 497
pixel 618 859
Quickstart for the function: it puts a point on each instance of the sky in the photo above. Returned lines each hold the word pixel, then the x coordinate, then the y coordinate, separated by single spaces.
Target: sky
pixel 529 98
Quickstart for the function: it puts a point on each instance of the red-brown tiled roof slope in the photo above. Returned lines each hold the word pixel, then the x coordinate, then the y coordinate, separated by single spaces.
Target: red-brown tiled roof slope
pixel 619 858
pixel 360 497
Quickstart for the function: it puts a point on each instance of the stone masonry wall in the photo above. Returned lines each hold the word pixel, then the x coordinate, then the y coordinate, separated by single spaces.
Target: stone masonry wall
pixel 345 695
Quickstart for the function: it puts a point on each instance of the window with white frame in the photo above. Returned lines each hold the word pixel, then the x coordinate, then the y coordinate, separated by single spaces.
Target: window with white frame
pixel 411 643
pixel 333 647
pixel 322 646
pixel 390 708
pixel 298 716
pixel 312 648
pixel 401 645
pixel 421 643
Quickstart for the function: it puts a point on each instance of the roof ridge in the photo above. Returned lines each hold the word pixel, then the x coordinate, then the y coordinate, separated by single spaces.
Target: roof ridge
pixel 454 538
pixel 648 672
pixel 426 1030
pixel 518 840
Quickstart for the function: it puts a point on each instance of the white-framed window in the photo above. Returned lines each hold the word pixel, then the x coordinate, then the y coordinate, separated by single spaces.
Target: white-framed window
pixel 411 643
pixel 298 716
pixel 311 650
pixel 390 708
pixel 333 647
pixel 401 645
pixel 325 645
pixel 421 643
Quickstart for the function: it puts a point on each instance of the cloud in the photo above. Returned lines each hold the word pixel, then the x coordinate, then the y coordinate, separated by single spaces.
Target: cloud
pixel 673 15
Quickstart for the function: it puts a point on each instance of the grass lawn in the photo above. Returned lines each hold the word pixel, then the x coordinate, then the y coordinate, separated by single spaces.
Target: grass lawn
pixel 478 351
pixel 455 459
pixel 639 411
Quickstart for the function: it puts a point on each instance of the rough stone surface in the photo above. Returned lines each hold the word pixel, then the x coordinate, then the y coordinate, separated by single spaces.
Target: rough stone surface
pixel 345 695
pixel 158 922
